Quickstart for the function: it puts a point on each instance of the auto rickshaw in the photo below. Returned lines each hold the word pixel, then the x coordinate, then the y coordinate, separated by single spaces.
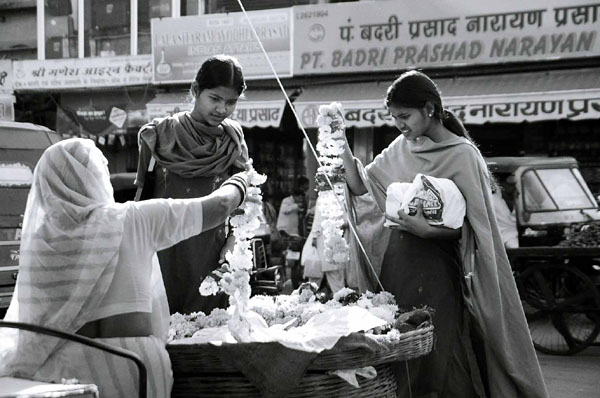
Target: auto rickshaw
pixel 557 278
pixel 21 146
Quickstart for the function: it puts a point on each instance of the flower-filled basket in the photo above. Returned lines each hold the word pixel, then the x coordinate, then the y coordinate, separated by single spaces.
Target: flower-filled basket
pixel 206 360
pixel 307 343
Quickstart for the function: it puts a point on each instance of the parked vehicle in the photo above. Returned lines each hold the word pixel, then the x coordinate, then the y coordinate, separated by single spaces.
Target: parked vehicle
pixel 557 276
pixel 21 146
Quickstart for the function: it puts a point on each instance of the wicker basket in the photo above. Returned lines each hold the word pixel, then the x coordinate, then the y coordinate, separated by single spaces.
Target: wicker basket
pixel 197 358
pixel 313 385
pixel 412 344
pixel 188 359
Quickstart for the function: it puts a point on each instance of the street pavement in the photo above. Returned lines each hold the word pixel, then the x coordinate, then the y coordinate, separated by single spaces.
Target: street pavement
pixel 574 376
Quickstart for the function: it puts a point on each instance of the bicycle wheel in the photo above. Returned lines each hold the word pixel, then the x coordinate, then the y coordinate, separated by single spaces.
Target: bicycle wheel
pixel 562 307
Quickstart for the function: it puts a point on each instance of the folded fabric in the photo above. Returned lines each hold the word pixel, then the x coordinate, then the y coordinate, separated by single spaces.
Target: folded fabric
pixel 443 203
pixel 272 368
pixel 277 370
pixel 349 375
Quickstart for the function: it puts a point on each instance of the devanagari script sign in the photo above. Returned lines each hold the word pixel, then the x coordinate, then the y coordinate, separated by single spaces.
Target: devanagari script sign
pixel 180 45
pixel 580 105
pixel 391 35
pixel 82 72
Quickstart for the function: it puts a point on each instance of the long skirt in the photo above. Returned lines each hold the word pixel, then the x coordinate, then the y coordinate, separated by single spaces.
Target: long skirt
pixel 116 377
pixel 185 264
pixel 427 272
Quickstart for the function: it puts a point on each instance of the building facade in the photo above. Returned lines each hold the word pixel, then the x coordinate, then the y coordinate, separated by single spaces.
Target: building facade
pixel 524 77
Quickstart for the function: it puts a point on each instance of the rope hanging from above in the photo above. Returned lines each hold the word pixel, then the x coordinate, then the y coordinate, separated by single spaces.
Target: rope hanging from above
pixel 312 148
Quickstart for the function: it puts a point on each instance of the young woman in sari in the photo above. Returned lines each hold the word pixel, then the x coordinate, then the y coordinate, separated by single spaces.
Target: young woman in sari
pixel 191 154
pixel 482 346
pixel 87 267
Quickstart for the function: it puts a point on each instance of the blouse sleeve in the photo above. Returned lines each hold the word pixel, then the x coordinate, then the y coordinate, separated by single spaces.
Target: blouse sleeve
pixel 167 221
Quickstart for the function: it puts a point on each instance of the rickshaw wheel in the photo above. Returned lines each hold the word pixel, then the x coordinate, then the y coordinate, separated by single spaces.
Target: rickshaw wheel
pixel 562 306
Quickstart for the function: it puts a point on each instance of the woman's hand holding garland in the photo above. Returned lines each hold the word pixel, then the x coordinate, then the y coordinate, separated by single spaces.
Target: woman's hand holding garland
pixel 331 146
pixel 233 276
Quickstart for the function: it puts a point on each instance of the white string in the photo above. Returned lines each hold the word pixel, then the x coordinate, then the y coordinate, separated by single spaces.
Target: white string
pixel 312 148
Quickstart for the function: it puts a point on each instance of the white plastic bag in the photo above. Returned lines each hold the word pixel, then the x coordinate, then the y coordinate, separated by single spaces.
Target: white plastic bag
pixel 310 259
pixel 394 199
pixel 443 203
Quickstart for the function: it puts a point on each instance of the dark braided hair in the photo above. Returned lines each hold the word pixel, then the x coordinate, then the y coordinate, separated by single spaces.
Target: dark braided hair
pixel 414 89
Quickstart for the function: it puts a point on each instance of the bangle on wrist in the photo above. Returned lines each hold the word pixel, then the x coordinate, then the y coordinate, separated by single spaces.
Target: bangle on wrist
pixel 240 184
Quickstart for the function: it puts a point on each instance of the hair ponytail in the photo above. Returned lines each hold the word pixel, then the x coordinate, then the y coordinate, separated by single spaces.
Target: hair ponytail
pixel 451 122
pixel 414 89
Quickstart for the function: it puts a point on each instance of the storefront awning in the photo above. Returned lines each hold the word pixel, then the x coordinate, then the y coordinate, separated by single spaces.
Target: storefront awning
pixel 92 115
pixel 258 108
pixel 553 95
pixel 532 96
pixel 363 103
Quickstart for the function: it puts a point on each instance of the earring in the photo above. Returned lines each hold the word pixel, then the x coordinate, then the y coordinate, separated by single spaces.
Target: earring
pixel 430 114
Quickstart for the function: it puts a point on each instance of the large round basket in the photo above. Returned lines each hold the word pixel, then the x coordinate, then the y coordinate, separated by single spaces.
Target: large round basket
pixel 411 345
pixel 204 358
pixel 312 385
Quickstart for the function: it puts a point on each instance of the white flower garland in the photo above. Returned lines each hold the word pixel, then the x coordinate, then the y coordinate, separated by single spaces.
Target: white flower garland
pixel 330 147
pixel 233 278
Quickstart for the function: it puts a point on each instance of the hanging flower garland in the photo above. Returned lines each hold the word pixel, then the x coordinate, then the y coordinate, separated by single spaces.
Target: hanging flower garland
pixel 330 147
pixel 233 277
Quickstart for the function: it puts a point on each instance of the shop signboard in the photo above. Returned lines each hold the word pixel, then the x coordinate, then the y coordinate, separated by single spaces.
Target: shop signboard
pixel 180 45
pixel 577 105
pixel 367 113
pixel 70 73
pixel 248 112
pixel 95 114
pixel 6 76
pixel 263 114
pixel 509 98
pixel 396 35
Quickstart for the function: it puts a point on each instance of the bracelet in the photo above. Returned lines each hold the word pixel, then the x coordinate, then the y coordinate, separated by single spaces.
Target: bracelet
pixel 239 183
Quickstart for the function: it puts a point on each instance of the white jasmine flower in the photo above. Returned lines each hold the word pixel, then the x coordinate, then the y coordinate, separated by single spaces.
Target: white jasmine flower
pixel 208 287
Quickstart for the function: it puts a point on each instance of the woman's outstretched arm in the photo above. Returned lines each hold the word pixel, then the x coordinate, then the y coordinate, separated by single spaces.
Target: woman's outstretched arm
pixel 355 183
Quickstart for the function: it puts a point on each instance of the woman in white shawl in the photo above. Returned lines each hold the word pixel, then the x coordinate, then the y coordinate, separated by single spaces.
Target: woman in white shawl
pixel 87 266
pixel 483 347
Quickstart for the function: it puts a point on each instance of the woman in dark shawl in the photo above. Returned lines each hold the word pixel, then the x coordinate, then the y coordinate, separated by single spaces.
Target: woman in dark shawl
pixel 482 347
pixel 191 154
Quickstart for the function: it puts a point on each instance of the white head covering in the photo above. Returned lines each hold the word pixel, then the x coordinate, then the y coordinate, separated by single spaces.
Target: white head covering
pixel 72 231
